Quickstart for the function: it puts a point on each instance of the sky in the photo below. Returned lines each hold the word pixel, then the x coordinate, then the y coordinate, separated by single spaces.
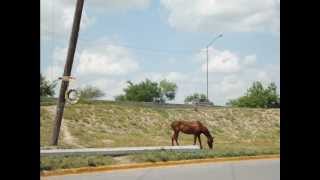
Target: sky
pixel 123 40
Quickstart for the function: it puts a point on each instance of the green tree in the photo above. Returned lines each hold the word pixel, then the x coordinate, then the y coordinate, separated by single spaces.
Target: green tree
pixel 90 92
pixel 273 99
pixel 120 98
pixel 144 91
pixel 168 89
pixel 196 97
pixel 46 87
pixel 258 96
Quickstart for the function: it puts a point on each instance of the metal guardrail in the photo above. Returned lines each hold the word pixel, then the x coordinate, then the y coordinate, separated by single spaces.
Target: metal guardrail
pixel 116 151
pixel 51 101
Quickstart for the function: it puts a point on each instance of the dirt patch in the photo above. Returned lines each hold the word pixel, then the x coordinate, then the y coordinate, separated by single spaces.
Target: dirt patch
pixel 123 159
pixel 67 138
pixel 107 141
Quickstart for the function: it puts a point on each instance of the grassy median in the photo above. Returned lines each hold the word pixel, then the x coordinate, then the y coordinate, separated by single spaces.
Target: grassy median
pixel 58 162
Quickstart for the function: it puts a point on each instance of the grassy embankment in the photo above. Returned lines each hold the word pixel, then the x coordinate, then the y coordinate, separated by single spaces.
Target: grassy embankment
pixel 237 131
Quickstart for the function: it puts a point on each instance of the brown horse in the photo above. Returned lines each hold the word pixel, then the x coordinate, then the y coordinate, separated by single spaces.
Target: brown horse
pixel 191 127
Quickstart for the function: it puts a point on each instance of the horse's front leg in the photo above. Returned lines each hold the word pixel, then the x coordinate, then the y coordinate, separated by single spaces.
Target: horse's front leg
pixel 200 141
pixel 195 140
pixel 173 138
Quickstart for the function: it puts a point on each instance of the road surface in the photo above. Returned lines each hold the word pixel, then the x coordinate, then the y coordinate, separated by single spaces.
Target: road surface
pixel 268 169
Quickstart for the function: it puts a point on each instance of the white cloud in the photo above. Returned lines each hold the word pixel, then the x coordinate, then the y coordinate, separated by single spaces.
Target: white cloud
pixel 233 74
pixel 55 69
pixel 56 18
pixel 249 60
pixel 223 15
pixel 60 55
pixel 111 87
pixel 172 60
pixel 175 76
pixel 93 62
pixel 263 76
pixel 106 60
pixel 110 60
pixel 58 61
pixel 224 61
pixel 118 5
pixel 231 85
pixel 157 76
pixel 222 86
pixel 53 72
pixel 57 15
pixel 234 86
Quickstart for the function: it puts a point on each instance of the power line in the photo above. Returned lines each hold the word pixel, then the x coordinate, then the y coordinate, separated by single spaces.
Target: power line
pixel 181 52
pixel 142 49
pixel 165 51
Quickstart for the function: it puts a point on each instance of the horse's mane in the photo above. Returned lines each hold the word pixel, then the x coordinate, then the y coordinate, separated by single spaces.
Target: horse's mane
pixel 200 123
pixel 188 121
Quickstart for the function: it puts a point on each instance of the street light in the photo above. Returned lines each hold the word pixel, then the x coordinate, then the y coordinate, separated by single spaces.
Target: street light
pixel 220 35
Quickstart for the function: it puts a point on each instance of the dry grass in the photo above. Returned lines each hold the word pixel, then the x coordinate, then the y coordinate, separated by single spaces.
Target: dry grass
pixel 121 125
pixel 237 131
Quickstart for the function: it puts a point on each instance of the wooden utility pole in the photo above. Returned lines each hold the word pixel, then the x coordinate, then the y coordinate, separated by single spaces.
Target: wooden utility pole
pixel 67 71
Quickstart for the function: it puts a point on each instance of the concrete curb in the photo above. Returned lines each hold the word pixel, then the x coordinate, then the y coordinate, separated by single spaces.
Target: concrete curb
pixel 116 151
pixel 150 165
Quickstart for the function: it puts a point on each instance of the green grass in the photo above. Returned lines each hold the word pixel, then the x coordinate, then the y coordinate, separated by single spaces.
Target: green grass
pixel 47 101
pixel 54 163
pixel 201 154
pixel 58 162
pixel 46 121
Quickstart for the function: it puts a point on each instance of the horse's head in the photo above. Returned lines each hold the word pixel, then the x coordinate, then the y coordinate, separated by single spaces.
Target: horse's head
pixel 210 142
pixel 209 137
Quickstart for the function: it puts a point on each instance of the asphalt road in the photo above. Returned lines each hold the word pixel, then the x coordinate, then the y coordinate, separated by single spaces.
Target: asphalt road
pixel 240 170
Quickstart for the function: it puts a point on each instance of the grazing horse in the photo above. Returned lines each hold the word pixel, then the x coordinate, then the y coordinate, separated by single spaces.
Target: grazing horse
pixel 191 127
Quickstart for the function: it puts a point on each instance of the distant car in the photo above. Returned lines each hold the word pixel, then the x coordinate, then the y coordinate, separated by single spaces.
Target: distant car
pixel 200 102
pixel 158 100
pixel 205 102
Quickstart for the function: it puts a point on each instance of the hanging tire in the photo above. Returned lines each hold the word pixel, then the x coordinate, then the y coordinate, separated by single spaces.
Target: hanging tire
pixel 72 96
